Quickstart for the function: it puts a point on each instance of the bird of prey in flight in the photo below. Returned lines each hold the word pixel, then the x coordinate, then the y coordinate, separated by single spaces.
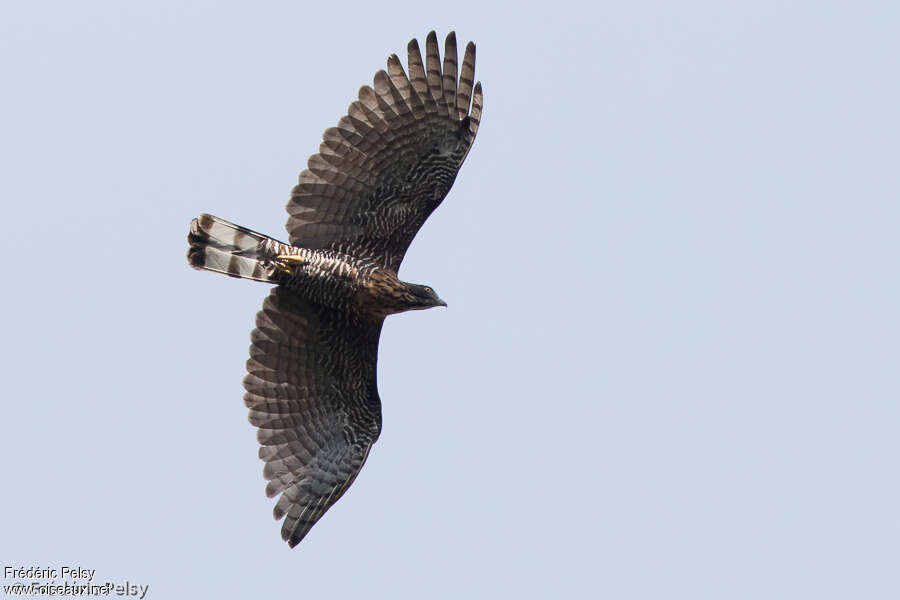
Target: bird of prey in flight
pixel 311 377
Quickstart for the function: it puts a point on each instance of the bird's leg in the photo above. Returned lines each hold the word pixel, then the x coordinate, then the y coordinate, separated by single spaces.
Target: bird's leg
pixel 288 262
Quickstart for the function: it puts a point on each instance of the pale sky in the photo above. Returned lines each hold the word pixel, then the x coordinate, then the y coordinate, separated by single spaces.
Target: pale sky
pixel 668 368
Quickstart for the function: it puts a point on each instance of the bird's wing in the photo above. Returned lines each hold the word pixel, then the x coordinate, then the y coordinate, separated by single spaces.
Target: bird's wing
pixel 391 160
pixel 312 393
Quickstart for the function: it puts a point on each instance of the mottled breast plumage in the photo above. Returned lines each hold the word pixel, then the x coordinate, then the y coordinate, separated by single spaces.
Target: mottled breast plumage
pixel 330 278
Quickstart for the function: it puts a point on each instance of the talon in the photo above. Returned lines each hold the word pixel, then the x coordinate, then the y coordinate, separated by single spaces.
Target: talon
pixel 294 258
pixel 288 262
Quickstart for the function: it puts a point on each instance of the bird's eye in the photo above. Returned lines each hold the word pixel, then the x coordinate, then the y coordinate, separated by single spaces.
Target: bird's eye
pixel 429 290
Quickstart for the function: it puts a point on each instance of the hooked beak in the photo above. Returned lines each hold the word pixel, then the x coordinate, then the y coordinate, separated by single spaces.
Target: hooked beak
pixel 440 302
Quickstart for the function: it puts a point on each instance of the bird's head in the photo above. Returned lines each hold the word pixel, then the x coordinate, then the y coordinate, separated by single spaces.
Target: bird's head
pixel 418 297
pixel 384 294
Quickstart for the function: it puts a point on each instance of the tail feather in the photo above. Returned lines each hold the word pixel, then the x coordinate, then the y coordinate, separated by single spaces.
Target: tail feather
pixel 223 247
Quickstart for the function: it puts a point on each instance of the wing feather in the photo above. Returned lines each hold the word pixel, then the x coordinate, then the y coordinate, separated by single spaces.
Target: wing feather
pixel 417 77
pixel 466 81
pixel 404 86
pixel 392 158
pixel 312 394
pixel 433 72
pixel 449 73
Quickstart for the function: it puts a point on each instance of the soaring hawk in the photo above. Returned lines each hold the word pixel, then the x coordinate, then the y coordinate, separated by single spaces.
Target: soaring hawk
pixel 311 377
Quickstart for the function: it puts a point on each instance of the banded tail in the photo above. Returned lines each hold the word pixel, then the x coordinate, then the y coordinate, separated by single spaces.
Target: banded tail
pixel 223 247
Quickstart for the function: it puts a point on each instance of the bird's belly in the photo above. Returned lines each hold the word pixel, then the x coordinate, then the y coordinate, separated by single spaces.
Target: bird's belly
pixel 326 279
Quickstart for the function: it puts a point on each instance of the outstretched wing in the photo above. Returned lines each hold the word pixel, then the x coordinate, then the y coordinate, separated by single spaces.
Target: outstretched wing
pixel 312 393
pixel 390 162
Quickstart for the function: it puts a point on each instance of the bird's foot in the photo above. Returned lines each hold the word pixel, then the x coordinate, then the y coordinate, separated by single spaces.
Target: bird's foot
pixel 287 263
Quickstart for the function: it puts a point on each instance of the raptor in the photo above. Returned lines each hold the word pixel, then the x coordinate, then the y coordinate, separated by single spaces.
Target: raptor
pixel 311 377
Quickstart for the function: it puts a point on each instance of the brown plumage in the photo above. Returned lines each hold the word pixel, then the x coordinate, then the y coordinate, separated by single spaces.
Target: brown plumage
pixel 311 383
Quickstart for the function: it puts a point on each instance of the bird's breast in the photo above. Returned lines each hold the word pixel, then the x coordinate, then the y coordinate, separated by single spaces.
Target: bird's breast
pixel 328 278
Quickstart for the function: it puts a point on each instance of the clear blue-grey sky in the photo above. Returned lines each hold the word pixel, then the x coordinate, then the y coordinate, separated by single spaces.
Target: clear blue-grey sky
pixel 668 369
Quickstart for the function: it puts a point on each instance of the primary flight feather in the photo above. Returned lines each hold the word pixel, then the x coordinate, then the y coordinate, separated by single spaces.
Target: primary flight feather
pixel 311 377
